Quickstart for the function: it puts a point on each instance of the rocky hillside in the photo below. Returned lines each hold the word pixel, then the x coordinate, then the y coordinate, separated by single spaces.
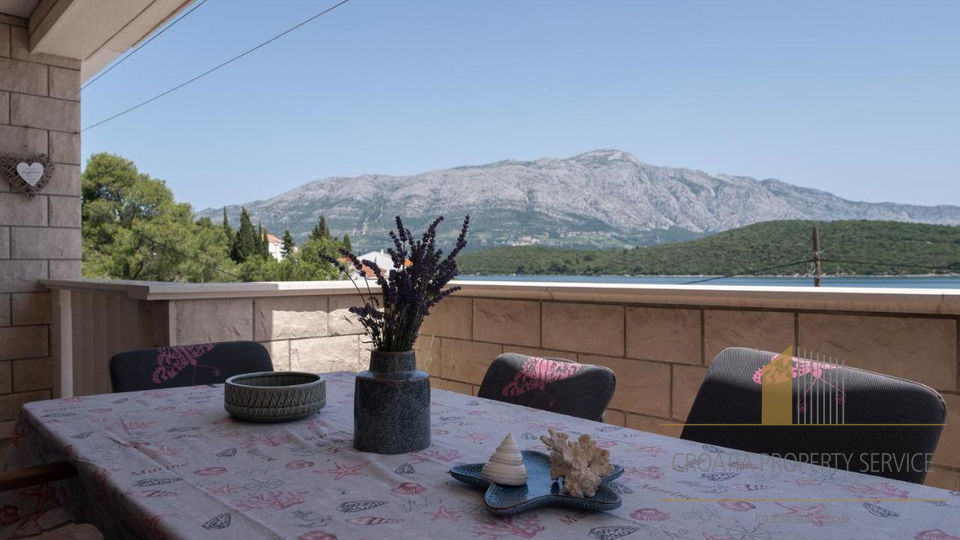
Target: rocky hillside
pixel 600 199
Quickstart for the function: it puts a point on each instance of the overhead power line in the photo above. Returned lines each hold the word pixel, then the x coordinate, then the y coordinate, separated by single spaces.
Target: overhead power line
pixel 142 45
pixel 750 272
pixel 211 70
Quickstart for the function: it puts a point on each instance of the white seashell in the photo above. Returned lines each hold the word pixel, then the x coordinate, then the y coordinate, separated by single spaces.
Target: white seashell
pixel 506 464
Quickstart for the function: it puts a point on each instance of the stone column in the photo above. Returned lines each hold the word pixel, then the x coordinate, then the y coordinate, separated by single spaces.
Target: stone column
pixel 39 238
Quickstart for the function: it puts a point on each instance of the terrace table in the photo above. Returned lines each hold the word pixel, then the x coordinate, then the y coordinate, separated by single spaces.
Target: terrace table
pixel 172 464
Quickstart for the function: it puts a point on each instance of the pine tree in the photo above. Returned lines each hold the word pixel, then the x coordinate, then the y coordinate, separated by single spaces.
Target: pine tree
pixel 346 243
pixel 245 245
pixel 288 243
pixel 321 231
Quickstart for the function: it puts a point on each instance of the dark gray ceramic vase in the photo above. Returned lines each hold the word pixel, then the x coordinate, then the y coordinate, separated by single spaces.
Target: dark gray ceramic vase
pixel 391 405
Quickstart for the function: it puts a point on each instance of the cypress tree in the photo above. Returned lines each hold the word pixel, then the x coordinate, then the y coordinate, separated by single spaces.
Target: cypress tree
pixel 264 244
pixel 259 238
pixel 245 244
pixel 321 230
pixel 227 229
pixel 288 243
pixel 346 243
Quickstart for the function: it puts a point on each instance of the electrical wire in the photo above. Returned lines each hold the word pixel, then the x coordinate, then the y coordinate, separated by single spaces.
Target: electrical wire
pixel 749 272
pixel 142 45
pixel 211 70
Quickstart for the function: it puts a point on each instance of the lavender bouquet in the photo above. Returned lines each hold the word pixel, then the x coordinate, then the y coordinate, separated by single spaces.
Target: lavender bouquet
pixel 413 286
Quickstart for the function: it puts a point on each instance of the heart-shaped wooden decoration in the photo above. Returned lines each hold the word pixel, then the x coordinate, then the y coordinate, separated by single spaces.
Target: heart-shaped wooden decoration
pixel 26 175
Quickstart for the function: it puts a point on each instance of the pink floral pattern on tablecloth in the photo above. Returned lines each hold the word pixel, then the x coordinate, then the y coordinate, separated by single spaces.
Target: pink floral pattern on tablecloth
pixel 172 465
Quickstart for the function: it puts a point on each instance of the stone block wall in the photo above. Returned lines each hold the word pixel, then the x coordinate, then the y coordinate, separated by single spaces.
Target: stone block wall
pixel 39 238
pixel 302 333
pixel 661 353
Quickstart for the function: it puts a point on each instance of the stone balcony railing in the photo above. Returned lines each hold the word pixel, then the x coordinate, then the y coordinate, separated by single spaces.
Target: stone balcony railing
pixel 658 339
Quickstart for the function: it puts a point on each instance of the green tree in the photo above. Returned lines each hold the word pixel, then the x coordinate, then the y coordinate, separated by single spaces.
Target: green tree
pixel 288 244
pixel 314 255
pixel 259 269
pixel 346 243
pixel 293 268
pixel 212 242
pixel 133 229
pixel 320 231
pixel 245 244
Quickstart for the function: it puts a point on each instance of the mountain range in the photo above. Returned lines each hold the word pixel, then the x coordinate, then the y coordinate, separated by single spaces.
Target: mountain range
pixel 599 199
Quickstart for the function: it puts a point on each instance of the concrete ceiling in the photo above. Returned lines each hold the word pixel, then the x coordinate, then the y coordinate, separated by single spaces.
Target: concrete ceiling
pixel 92 31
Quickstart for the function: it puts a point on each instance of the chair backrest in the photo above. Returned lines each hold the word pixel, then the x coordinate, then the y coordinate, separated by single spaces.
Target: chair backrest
pixel 550 384
pixel 186 365
pixel 887 418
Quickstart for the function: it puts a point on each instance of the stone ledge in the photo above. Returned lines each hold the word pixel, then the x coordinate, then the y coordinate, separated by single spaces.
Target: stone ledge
pixel 829 299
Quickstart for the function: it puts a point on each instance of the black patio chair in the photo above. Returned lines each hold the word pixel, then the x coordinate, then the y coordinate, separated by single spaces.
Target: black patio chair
pixel 863 416
pixel 550 384
pixel 186 365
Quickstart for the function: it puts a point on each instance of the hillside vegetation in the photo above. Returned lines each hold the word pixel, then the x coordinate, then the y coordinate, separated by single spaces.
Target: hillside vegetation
pixel 848 248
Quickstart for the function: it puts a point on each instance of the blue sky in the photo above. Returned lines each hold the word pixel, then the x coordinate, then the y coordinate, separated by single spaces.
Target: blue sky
pixel 858 98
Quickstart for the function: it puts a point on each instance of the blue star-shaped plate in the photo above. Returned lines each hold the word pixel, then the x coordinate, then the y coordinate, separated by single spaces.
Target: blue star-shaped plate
pixel 539 491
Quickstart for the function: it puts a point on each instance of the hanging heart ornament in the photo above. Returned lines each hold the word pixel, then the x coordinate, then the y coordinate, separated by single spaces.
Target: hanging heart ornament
pixel 26 175
pixel 31 173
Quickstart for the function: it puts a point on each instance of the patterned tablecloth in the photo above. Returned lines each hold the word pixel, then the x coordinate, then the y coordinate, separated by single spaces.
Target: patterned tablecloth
pixel 172 464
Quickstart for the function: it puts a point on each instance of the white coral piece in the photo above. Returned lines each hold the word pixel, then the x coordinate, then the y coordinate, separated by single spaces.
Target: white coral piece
pixel 581 464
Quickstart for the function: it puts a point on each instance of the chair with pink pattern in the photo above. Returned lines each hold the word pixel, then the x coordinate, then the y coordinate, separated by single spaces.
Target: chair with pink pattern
pixel 550 384
pixel 186 365
pixel 854 419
